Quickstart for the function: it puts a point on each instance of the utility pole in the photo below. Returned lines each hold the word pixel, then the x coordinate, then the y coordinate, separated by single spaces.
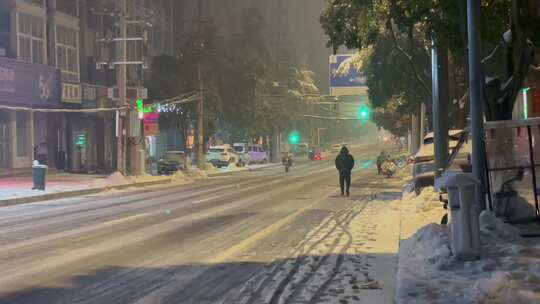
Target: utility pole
pixel 121 83
pixel 120 63
pixel 201 159
pixel 422 123
pixel 475 90
pixel 439 74
pixel 319 136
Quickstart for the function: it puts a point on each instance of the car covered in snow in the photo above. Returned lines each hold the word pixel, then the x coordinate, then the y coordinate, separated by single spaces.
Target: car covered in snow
pixel 242 150
pixel 222 156
pixel 424 159
pixel 301 149
pixel 171 162
pixel 257 154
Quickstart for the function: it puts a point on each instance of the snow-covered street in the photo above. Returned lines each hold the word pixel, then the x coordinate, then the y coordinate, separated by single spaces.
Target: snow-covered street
pixel 257 236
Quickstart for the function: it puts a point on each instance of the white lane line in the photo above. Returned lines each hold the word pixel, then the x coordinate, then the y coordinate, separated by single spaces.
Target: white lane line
pixel 206 199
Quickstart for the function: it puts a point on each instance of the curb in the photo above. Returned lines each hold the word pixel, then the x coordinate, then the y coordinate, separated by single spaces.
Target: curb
pixel 266 167
pixel 68 194
pixel 244 169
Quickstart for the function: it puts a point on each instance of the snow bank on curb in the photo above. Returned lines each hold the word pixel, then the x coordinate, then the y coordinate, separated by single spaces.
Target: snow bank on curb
pixel 509 270
pixel 232 168
pixel 425 202
pixel 197 173
pixel 418 211
pixel 115 179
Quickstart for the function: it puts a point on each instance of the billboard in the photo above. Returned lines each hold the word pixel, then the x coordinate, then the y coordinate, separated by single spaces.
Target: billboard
pixel 24 83
pixel 352 82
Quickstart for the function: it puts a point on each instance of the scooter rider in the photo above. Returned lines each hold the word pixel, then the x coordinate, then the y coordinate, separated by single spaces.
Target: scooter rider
pixel 287 161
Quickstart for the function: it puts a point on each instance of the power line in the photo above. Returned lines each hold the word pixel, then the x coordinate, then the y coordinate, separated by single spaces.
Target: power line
pixel 182 98
pixel 185 98
pixel 327 117
pixel 96 110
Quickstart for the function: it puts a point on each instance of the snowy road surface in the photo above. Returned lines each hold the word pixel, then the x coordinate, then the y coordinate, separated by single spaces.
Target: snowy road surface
pixel 255 237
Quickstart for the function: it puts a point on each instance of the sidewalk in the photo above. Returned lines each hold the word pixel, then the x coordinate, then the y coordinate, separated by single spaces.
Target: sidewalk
pixel 18 190
pixel 507 272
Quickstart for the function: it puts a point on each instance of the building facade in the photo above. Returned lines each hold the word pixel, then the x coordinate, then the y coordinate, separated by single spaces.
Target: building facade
pixel 27 81
pixel 54 46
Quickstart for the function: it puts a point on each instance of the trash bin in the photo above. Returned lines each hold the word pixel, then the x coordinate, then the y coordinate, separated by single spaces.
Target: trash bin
pixel 38 176
pixel 464 213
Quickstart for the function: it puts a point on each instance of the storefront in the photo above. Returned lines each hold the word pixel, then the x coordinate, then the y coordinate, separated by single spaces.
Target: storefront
pixel 98 132
pixel 23 132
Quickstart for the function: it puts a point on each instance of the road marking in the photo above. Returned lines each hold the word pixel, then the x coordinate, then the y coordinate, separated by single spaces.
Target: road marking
pixel 206 200
pixel 123 220
pixel 263 233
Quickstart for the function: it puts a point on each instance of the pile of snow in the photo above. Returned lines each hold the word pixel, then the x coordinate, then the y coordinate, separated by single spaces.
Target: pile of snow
pixel 115 179
pixel 179 177
pixel 197 173
pixel 509 270
pixel 233 167
pixel 146 178
pixel 118 179
pixel 425 202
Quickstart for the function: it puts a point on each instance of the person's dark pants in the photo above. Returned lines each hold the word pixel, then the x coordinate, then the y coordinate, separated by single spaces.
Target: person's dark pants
pixel 345 181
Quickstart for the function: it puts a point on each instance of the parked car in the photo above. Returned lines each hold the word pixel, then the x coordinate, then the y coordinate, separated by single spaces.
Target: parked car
pixel 301 149
pixel 241 150
pixel 336 148
pixel 222 156
pixel 257 154
pixel 424 159
pixel 171 162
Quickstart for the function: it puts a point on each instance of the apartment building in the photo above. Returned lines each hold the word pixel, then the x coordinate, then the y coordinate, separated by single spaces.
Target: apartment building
pixel 49 55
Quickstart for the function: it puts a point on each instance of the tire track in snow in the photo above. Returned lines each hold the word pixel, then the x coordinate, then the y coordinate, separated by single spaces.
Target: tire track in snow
pixel 290 282
pixel 300 286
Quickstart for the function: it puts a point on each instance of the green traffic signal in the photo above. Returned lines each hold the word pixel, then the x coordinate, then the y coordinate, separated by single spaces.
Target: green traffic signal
pixel 364 112
pixel 294 138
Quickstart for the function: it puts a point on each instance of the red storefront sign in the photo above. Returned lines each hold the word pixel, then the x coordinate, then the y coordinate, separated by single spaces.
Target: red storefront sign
pixel 151 123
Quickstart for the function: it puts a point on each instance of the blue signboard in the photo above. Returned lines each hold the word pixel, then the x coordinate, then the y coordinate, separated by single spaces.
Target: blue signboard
pixel 351 79
pixel 24 83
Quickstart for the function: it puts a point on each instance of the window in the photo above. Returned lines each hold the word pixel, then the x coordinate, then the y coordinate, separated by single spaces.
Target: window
pixel 67 59
pixel 37 2
pixel 69 7
pixel 22 133
pixel 31 37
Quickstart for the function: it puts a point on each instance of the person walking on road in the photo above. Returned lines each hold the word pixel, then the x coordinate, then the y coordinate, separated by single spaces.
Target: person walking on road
pixel 344 164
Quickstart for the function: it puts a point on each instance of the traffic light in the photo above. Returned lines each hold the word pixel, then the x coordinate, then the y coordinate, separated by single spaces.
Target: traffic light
pixel 364 112
pixel 294 138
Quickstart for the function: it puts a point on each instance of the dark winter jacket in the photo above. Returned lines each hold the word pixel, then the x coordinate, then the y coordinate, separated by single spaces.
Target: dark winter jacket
pixel 344 161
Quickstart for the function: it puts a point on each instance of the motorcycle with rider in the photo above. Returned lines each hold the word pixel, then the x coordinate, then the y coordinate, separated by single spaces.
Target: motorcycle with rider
pixel 287 161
